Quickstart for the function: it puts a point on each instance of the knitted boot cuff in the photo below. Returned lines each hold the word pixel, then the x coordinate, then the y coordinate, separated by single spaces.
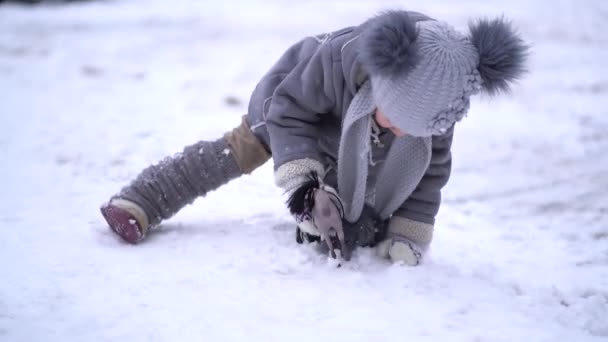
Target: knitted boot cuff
pixel 418 232
pixel 291 175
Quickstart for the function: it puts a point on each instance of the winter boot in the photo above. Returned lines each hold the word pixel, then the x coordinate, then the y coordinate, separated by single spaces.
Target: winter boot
pixel 161 190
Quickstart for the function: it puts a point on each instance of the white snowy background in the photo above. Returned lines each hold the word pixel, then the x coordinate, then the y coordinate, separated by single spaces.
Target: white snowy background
pixel 91 93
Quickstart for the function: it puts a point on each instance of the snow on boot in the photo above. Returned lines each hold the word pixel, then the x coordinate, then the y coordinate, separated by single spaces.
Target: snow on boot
pixel 161 190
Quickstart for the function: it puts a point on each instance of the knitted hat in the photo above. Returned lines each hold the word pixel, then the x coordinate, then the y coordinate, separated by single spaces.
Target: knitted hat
pixel 423 73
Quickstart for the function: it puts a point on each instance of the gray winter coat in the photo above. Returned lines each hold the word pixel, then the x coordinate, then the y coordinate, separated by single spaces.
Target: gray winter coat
pixel 301 103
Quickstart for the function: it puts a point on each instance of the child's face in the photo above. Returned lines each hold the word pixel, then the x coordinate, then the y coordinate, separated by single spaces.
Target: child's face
pixel 384 122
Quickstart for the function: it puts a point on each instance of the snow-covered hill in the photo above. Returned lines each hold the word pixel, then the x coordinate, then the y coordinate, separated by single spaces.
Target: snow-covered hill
pixel 92 93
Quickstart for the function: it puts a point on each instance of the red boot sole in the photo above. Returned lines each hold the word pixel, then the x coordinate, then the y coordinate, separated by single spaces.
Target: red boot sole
pixel 122 223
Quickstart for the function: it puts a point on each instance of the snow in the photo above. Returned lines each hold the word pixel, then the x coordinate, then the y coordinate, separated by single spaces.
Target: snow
pixel 92 93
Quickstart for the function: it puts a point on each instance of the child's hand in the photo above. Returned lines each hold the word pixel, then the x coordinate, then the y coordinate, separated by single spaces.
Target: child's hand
pixel 407 240
pixel 401 250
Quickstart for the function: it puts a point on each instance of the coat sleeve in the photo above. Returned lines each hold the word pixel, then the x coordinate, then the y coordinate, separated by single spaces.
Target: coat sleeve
pixel 423 204
pixel 305 93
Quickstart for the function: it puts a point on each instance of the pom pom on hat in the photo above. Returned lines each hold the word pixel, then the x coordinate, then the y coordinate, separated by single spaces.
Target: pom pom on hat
pixel 389 44
pixel 502 53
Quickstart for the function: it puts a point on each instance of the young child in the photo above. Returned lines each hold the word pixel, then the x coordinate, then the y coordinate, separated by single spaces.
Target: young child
pixel 359 124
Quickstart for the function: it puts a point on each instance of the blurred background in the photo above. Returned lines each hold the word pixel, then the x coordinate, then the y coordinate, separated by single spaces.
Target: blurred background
pixel 93 91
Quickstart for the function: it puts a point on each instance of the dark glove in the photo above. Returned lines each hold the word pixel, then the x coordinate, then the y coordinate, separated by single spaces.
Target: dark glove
pixel 367 231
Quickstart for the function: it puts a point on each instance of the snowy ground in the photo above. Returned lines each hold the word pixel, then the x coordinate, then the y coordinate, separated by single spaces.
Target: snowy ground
pixel 92 93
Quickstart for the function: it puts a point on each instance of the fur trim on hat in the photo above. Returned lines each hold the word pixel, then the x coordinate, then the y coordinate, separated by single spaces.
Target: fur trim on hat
pixel 387 44
pixel 502 53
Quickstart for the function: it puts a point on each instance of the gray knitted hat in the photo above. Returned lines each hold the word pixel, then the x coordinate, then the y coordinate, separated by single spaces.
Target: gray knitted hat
pixel 423 73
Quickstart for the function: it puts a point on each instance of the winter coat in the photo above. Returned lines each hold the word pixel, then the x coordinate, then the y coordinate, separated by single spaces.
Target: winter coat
pixel 302 101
